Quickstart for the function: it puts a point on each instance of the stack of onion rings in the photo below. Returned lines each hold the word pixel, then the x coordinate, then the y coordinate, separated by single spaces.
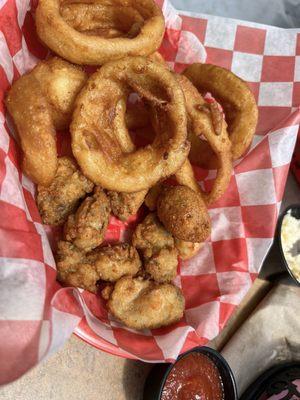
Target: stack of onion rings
pixel 96 130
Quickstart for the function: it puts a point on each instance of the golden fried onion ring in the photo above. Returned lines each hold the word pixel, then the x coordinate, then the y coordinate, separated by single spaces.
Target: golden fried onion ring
pixel 41 102
pixel 138 116
pixel 32 116
pixel 213 127
pixel 103 20
pixel 239 107
pixel 203 119
pixel 123 205
pixel 85 46
pixel 60 82
pixel 95 129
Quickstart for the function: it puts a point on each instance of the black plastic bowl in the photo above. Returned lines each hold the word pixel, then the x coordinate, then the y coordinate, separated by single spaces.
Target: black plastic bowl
pixel 274 381
pixel 157 377
pixel 295 212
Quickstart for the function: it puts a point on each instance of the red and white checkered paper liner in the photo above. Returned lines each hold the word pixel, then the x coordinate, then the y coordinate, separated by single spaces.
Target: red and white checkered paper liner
pixel 36 315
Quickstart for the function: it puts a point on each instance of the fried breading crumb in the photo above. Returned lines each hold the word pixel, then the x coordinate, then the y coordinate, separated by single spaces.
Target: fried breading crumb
pixel 187 250
pixel 150 236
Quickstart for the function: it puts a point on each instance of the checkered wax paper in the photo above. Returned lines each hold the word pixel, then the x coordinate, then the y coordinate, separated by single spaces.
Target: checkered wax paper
pixel 36 315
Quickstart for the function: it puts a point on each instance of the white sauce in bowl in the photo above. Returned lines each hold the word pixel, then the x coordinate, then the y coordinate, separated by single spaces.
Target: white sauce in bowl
pixel 290 241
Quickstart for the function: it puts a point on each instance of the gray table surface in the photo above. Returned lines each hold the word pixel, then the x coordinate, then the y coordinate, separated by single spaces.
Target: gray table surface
pixel 282 13
pixel 79 371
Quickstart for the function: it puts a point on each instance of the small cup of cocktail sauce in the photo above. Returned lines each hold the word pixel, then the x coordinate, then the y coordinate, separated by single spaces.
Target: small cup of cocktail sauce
pixel 201 373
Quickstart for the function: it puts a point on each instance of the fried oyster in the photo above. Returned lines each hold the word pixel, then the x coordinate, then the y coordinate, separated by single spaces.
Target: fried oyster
pixel 157 248
pixel 57 201
pixel 84 270
pixel 143 304
pixel 86 228
pixel 124 205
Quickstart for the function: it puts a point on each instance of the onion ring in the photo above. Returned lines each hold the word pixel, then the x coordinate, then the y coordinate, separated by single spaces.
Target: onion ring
pixel 238 103
pixel 32 116
pixel 95 128
pixel 60 82
pixel 102 20
pixel 41 102
pixel 145 35
pixel 123 205
pixel 213 127
pixel 201 121
pixel 138 116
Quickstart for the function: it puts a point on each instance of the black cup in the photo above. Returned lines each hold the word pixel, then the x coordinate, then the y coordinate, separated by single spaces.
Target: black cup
pixel 157 377
pixel 274 381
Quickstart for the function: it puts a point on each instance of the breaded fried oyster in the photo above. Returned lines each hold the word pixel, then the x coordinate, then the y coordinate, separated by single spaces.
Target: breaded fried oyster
pixel 61 198
pixel 143 304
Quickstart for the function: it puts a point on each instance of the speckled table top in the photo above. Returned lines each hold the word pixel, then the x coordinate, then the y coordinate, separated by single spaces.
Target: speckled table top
pixel 79 371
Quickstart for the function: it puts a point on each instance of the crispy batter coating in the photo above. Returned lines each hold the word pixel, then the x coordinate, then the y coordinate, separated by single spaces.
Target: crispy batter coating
pixel 61 198
pixel 80 35
pixel 182 214
pixel 156 56
pixel 100 19
pixel 60 83
pixel 162 266
pixel 124 205
pixel 74 269
pixel 113 262
pixel 32 116
pixel 143 304
pixel 80 269
pixel 152 196
pixel 187 250
pixel 237 100
pixel 107 291
pixel 206 119
pixel 86 228
pixel 157 247
pixel 40 102
pixel 150 236
pixel 97 147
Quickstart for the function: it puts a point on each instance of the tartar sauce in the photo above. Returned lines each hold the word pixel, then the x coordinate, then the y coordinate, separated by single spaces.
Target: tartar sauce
pixel 290 241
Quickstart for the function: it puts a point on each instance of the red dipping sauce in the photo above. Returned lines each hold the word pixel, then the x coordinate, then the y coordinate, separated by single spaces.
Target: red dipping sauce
pixel 193 377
